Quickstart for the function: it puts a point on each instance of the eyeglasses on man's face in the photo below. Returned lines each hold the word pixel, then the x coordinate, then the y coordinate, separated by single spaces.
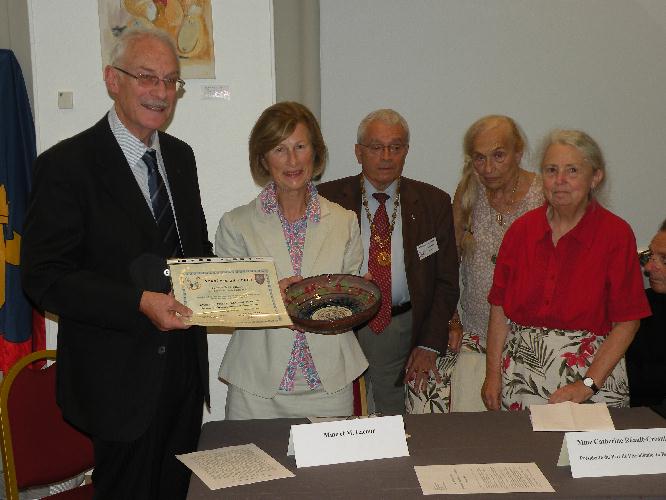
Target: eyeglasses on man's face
pixel 393 149
pixel 150 81
pixel 647 255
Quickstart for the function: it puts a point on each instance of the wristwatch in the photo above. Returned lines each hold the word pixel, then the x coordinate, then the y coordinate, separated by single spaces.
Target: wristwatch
pixel 589 382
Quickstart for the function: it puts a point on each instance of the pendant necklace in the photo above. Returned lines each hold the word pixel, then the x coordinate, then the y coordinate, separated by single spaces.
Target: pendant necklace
pixel 384 254
pixel 499 217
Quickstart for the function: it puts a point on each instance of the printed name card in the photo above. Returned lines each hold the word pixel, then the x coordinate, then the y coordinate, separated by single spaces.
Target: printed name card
pixel 617 453
pixel 427 248
pixel 349 441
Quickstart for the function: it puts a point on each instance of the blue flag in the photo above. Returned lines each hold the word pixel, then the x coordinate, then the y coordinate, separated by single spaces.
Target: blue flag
pixel 17 155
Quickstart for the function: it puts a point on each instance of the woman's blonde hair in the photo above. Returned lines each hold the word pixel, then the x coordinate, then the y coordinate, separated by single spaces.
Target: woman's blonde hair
pixel 468 189
pixel 275 124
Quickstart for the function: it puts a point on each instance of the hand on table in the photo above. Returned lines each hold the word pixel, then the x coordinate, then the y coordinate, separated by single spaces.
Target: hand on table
pixel 576 392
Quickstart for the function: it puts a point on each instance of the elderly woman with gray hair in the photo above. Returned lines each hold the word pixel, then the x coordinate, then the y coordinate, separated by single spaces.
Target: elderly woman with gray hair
pixel 567 292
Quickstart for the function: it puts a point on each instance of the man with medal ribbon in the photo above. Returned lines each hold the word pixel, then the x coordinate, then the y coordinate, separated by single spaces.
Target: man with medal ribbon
pixel 410 250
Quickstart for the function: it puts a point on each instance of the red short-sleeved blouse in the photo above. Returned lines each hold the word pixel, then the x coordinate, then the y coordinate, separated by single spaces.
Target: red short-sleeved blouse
pixel 590 280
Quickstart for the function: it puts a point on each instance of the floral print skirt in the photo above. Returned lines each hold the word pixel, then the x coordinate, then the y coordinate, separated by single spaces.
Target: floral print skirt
pixel 538 361
pixel 437 398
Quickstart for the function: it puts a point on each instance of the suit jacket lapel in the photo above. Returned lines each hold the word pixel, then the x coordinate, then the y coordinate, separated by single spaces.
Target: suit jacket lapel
pixel 272 236
pixel 314 240
pixel 115 173
pixel 352 192
pixel 173 166
pixel 411 214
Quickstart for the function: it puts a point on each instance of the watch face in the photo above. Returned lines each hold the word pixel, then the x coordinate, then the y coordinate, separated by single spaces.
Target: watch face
pixel 589 382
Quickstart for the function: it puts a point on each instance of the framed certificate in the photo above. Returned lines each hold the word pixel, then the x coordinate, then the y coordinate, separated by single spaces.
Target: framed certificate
pixel 236 292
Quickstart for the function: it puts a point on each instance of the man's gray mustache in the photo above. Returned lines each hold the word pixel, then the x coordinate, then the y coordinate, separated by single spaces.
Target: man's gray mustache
pixel 161 104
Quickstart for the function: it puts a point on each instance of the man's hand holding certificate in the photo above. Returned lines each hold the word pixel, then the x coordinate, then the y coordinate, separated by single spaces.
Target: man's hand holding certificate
pixel 230 292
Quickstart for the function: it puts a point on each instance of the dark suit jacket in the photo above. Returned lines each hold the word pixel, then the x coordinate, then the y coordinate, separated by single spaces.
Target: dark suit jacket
pixel 432 282
pixel 646 356
pixel 87 223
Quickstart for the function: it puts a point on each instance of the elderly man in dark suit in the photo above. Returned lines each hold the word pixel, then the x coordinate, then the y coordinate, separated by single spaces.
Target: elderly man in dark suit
pixel 410 250
pixel 108 206
pixel 646 356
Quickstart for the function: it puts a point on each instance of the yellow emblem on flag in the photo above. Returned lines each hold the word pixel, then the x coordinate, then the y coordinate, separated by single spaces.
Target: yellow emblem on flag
pixel 10 250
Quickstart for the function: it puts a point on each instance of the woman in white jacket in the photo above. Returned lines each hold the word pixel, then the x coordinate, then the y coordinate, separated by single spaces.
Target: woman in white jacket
pixel 280 372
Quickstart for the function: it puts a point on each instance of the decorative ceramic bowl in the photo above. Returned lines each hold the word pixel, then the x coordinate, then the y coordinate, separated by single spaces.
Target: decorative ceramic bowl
pixel 332 303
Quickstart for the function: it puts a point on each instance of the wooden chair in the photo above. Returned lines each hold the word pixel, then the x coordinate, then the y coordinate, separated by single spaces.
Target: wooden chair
pixel 360 396
pixel 38 446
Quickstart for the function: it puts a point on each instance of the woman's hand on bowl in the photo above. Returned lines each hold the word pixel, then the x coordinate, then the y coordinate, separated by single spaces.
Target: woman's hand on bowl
pixel 284 283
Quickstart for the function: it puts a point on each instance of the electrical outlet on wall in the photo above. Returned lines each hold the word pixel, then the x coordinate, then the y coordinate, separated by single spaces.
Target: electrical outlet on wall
pixel 65 99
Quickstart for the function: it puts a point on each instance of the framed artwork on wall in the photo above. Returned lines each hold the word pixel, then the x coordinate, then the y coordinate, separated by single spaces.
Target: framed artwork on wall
pixel 188 22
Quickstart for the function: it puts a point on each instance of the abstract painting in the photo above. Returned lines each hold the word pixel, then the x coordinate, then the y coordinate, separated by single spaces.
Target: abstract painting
pixel 188 22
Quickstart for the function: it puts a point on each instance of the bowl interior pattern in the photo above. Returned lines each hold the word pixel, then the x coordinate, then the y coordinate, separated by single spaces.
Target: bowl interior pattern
pixel 332 303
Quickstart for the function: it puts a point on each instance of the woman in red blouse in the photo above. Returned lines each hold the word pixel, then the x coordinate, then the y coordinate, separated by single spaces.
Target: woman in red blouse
pixel 567 292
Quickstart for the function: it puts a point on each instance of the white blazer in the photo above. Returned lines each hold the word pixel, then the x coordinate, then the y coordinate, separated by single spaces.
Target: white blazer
pixel 256 360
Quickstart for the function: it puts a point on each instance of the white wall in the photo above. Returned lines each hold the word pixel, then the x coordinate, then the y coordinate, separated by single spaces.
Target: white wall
pixel 597 65
pixel 5 41
pixel 15 35
pixel 66 56
pixel 296 37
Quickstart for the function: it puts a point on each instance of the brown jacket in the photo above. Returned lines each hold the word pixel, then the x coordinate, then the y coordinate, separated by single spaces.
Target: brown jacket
pixel 432 282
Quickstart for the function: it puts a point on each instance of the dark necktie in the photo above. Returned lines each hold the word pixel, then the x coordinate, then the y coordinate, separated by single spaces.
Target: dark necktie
pixel 379 262
pixel 162 211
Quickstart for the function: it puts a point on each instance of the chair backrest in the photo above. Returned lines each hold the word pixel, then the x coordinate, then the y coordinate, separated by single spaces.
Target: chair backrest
pixel 38 446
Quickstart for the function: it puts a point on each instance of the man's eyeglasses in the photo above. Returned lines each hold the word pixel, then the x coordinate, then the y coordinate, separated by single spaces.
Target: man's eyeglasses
pixel 150 81
pixel 378 149
pixel 647 255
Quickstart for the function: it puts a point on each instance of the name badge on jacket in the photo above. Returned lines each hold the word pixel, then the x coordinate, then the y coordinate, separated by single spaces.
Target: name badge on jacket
pixel 427 248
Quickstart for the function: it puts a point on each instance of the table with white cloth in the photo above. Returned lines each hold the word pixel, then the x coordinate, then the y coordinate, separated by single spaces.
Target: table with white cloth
pixel 434 439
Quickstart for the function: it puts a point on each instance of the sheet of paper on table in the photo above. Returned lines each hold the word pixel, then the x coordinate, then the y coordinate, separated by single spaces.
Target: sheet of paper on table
pixel 482 478
pixel 229 292
pixel 570 416
pixel 234 466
